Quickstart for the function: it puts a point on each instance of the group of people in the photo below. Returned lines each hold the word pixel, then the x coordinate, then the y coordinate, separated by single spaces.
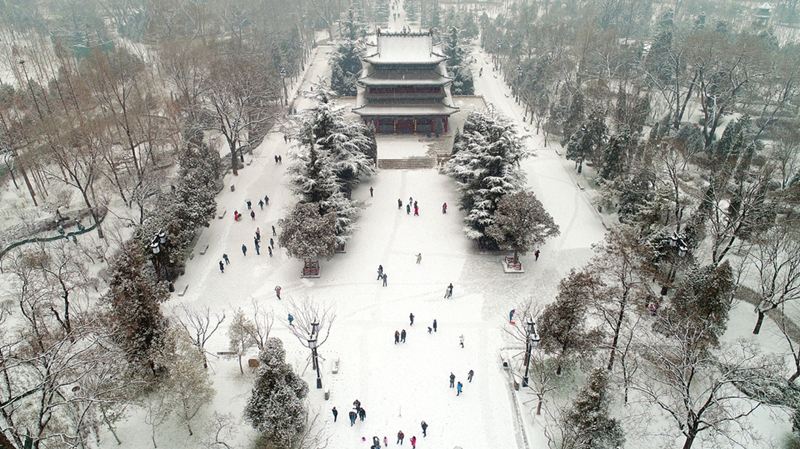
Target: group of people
pixel 381 275
pixel 358 412
pixel 256 244
pixel 459 386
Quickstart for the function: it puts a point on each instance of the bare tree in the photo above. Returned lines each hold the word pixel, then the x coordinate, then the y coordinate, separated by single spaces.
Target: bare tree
pixel 240 335
pixel 307 311
pixel 776 259
pixel 199 327
pixel 695 386
pixel 263 320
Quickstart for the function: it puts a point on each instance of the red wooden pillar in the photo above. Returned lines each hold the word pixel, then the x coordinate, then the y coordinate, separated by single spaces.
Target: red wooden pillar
pixel 377 126
pixel 445 124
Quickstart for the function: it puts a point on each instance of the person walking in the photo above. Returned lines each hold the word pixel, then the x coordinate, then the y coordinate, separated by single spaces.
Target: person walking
pixel 225 258
pixel 458 389
pixel 448 292
pixel 385 441
pixel 253 214
pixel 361 413
pixel 278 291
pixel 384 279
pixel 444 208
pixel 461 340
pixel 258 234
pixel 408 209
pixel 424 428
pixel 352 416
pixel 335 413
pixel 399 203
pixel 370 191
pixel 244 249
pixel 403 336
pixel 271 242
pixel 356 404
pixel 413 441
pixel 419 258
pixel 411 319
pixel 376 442
pixel 266 200
pixel 261 204
pixel 273 231
pixel 269 250
pixel 290 318
pixel 452 380
pixel 400 436
pixel 536 254
pixel 416 211
pixel 396 337
pixel 511 315
pixel 258 248
pixel 434 326
pixel 249 204
pixel 469 375
pixel 380 272
pixel 221 267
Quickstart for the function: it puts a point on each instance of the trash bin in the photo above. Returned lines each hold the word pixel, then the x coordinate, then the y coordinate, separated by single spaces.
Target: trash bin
pixel 327 394
pixel 233 188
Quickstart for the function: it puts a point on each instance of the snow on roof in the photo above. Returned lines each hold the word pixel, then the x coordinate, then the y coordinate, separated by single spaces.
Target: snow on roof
pixel 409 78
pixel 406 109
pixel 405 48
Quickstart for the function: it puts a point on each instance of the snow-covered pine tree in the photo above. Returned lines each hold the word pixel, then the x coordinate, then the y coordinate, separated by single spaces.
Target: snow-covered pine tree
pixel 412 9
pixel 521 223
pixel 346 67
pixel 455 48
pixel 614 158
pixel 198 183
pixel 333 156
pixel 588 424
pixel 562 325
pixel 485 166
pixel 588 140
pixel 574 116
pixel 135 317
pixel 306 234
pixel 277 407
pixel 702 300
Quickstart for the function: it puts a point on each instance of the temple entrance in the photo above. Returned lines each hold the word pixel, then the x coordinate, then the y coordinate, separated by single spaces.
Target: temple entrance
pixel 405 126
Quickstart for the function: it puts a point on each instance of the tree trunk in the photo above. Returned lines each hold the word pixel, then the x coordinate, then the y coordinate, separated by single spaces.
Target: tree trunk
pixel 690 439
pixel 617 327
pixel 759 321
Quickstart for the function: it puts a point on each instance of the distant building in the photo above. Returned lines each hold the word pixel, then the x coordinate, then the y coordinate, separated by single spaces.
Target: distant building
pixel 763 15
pixel 405 88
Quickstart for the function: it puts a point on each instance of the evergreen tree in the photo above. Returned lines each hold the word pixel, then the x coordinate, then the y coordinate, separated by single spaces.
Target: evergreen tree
pixel 587 424
pixel 614 157
pixel 276 407
pixel 199 179
pixel 135 317
pixel 587 141
pixel 485 165
pixel 455 49
pixel 521 223
pixel 306 234
pixel 574 116
pixel 412 9
pixel 562 325
pixel 702 301
pixel 346 68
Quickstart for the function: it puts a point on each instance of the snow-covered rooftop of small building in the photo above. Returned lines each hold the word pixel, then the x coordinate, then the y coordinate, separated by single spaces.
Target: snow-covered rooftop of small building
pixel 405 78
pixel 405 48
pixel 405 109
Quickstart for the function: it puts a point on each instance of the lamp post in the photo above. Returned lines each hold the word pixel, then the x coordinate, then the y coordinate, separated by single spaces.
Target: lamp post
pixel 532 341
pixel 312 343
pixel 285 92
pixel 519 82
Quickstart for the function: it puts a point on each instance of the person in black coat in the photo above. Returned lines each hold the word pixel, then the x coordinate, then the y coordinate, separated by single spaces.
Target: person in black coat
pixel 361 413
pixel 335 413
pixel 352 417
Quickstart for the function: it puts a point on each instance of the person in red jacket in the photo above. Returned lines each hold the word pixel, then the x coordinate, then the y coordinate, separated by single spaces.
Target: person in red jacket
pixel 413 442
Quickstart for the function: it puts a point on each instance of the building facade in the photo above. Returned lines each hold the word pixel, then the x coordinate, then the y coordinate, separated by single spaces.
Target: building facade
pixel 404 88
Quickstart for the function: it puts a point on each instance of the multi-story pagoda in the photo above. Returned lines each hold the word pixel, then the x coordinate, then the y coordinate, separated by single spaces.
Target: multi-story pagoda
pixel 405 88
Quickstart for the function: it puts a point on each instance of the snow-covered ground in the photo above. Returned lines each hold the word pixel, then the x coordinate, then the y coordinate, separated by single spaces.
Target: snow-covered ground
pixel 398 385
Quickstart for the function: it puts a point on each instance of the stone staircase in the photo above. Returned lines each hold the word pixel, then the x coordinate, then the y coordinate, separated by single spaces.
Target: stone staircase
pixel 411 163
